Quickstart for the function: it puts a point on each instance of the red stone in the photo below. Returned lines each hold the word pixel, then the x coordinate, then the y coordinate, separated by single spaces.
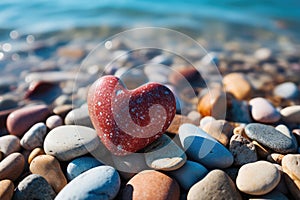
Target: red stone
pixel 128 120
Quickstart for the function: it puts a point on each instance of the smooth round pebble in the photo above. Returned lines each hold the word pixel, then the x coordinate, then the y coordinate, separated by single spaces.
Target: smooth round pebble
pixel 34 153
pixel 287 90
pixel 70 141
pixel 79 116
pixel 54 121
pixel 62 110
pixel 258 178
pixel 12 166
pixel 80 165
pixel 238 85
pixel 215 185
pixel 263 111
pixel 49 168
pixel 6 189
pixel 270 137
pixel 291 114
pixel 9 144
pixel 34 186
pixel 150 184
pixel 34 137
pixel 203 148
pixel 205 120
pixel 101 182
pixel 189 174
pixel 164 154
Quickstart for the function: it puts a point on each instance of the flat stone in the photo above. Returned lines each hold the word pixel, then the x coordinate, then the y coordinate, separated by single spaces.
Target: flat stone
pixel 286 90
pixel 80 165
pixel 34 186
pixel 12 166
pixel 263 111
pixel 291 114
pixel 150 184
pixel 215 185
pixel 203 148
pixel 270 137
pixel 291 169
pixel 19 121
pixel 6 189
pixel 242 150
pixel 101 182
pixel 177 121
pixel 189 174
pixel 164 154
pixel 54 121
pixel 79 116
pixel 34 137
pixel 48 167
pixel 258 178
pixel 70 141
pixel 9 144
pixel 238 85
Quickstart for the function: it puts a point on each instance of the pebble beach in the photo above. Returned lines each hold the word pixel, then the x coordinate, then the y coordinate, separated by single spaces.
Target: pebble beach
pixel 226 125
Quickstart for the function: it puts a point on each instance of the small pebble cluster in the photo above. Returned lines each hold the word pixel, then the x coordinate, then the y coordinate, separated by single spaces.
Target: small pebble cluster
pixel 240 141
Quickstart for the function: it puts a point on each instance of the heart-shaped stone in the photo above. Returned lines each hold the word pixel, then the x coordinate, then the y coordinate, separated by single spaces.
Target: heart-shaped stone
pixel 129 120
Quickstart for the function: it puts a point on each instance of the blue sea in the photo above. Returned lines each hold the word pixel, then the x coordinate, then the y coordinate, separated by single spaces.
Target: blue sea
pixel 41 16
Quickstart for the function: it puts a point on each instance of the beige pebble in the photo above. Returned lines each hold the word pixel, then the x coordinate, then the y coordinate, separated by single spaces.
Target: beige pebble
pixel 54 121
pixel 62 110
pixel 291 169
pixel 275 158
pixel 220 130
pixel 238 85
pixel 9 144
pixel 12 166
pixel 49 167
pixel 6 189
pixel 34 153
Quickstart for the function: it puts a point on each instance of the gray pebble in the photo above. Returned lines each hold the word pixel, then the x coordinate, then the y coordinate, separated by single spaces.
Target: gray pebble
pixel 34 137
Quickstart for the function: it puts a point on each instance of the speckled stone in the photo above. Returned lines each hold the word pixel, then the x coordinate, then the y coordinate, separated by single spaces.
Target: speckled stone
pixel 101 182
pixel 34 186
pixel 291 114
pixel 12 166
pixel 49 168
pixel 54 121
pixel 238 85
pixel 203 148
pixel 19 121
pixel 263 111
pixel 9 144
pixel 242 150
pixel 291 169
pixel 70 141
pixel 79 116
pixel 270 137
pixel 150 184
pixel 285 130
pixel 6 189
pixel 189 174
pixel 34 137
pixel 287 90
pixel 215 185
pixel 164 154
pixel 258 178
pixel 80 165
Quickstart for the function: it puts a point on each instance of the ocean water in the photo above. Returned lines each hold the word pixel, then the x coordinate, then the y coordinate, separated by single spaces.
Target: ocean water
pixel 39 16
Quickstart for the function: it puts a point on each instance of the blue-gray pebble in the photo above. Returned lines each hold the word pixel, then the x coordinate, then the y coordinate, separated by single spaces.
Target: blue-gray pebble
pixel 270 137
pixel 80 165
pixel 101 182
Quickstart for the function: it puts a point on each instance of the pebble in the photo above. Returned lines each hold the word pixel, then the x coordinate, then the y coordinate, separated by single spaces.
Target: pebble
pixel 49 168
pixel 220 130
pixel 42 91
pixel 62 110
pixel 185 77
pixel 6 189
pixel 70 141
pixel 258 178
pixel 205 120
pixel 285 130
pixel 275 158
pixel 291 169
pixel 12 166
pixel 291 114
pixel 150 184
pixel 9 144
pixel 189 174
pixel 101 182
pixel 238 85
pixel 296 133
pixel 239 112
pixel 34 153
pixel 56 76
pixel 34 137
pixel 213 104
pixel 287 90
pixel 177 121
pixel 242 150
pixel 203 148
pixel 79 116
pixel 164 154
pixel 80 165
pixel 54 121
pixel 34 186
pixel 270 137
pixel 215 185
pixel 194 116
pixel 263 111
pixel 19 121
pixel 127 125
pixel 263 54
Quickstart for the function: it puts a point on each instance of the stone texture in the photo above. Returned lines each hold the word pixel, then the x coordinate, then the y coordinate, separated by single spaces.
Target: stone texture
pixel 6 189
pixel 34 137
pixel 263 111
pixel 12 166
pixel 291 169
pixel 291 114
pixel 79 116
pixel 9 144
pixel 54 121
pixel 215 185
